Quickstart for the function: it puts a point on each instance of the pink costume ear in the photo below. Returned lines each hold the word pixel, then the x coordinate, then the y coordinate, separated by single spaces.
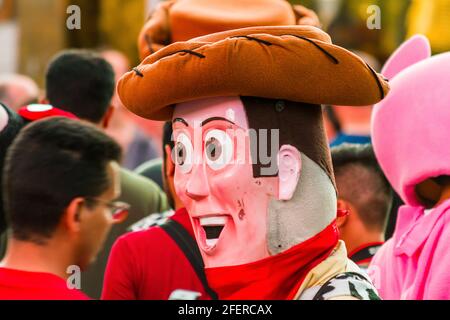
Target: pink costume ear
pixel 289 167
pixel 414 50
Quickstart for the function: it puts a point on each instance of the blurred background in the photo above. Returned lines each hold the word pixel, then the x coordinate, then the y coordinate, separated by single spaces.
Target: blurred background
pixel 32 31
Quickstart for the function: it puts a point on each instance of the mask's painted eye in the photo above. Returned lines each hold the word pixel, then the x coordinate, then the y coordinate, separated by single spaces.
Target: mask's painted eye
pixel 218 149
pixel 183 153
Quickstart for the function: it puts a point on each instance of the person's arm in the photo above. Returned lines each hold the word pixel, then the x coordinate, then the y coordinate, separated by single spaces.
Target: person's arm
pixel 120 276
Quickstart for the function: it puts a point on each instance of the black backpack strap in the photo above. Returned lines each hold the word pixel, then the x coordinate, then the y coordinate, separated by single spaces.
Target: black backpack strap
pixel 190 249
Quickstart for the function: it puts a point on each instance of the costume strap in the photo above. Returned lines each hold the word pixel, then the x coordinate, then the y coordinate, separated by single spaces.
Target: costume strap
pixel 190 250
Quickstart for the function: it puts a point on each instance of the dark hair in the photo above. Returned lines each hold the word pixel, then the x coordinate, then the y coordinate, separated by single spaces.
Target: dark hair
pixel 7 136
pixel 80 82
pixel 442 180
pixel 332 117
pixel 167 140
pixel 50 163
pixel 361 182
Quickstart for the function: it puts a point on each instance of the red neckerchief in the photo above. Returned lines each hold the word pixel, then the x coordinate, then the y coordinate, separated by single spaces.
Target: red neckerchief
pixel 275 278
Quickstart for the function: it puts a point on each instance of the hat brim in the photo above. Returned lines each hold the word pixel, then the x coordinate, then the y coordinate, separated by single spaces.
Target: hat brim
pixel 296 63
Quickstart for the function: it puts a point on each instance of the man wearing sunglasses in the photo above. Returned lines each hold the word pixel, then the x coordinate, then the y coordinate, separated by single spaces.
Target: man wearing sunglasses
pixel 61 183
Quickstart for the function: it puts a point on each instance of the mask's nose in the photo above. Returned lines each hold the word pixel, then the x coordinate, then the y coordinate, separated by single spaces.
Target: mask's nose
pixel 197 187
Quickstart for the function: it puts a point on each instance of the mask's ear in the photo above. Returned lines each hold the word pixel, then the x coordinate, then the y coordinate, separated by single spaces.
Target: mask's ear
pixel 414 50
pixel 289 168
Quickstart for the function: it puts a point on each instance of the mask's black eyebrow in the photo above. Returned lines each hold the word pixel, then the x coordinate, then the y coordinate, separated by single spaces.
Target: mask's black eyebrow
pixel 204 123
pixel 181 120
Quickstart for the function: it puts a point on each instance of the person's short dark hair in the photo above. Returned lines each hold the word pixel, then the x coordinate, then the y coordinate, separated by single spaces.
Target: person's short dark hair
pixel 167 139
pixel 332 117
pixel 81 82
pixel 52 162
pixel 361 182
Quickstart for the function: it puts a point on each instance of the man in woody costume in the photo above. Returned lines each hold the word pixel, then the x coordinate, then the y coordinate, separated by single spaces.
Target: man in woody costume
pixel 266 229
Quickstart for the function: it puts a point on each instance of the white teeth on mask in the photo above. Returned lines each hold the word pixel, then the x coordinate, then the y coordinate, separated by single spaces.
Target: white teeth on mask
pixel 213 221
pixel 211 242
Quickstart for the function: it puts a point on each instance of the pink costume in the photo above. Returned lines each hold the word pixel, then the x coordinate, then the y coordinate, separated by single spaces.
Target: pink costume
pixel 410 131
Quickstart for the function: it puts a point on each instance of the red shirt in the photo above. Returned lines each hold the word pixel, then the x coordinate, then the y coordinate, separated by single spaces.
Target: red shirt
pixel 149 265
pixel 364 254
pixel 23 285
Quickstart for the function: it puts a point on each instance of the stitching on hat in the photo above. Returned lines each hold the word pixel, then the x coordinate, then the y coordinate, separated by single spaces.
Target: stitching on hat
pixel 374 74
pixel 138 73
pixel 188 51
pixel 267 43
pixel 329 55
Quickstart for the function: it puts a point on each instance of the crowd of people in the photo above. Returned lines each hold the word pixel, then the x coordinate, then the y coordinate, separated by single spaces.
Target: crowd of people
pixel 95 206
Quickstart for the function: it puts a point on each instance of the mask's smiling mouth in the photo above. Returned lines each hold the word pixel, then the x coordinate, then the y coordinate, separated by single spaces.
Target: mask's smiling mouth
pixel 212 227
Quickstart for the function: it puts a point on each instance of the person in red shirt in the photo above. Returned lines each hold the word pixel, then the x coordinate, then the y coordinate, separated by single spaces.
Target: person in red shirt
pixel 151 264
pixel 61 181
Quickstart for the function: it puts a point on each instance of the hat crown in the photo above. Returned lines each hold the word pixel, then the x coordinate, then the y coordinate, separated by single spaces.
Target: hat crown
pixel 194 18
pixel 294 63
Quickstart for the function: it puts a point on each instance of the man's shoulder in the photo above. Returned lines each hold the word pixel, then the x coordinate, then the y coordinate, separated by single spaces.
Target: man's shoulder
pixel 348 286
pixel 27 285
pixel 141 238
pixel 337 277
pixel 42 294
pixel 131 178
pixel 143 194
pixel 153 220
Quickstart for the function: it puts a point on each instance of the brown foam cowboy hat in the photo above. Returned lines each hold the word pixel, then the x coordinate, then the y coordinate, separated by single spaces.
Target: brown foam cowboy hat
pixel 181 20
pixel 295 63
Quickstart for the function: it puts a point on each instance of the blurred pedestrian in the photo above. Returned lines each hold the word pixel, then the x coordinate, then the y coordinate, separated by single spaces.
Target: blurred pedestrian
pixel 60 187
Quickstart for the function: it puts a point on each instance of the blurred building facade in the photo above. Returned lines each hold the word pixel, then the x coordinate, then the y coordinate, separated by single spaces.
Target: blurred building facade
pixel 31 31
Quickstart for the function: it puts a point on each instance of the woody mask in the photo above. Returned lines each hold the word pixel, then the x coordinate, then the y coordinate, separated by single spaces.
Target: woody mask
pixel 240 183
